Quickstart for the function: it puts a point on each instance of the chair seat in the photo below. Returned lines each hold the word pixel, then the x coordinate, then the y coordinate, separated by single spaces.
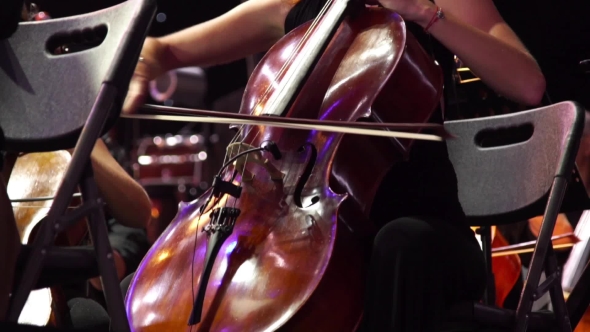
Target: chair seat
pixel 62 265
pixel 459 318
pixel 469 316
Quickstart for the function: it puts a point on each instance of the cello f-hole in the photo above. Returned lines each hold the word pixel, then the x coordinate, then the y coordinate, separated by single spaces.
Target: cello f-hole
pixel 297 196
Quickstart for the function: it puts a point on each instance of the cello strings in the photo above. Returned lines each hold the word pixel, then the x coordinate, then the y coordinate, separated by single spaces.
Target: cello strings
pixel 283 68
pixel 297 49
pixel 302 42
pixel 240 134
pixel 287 63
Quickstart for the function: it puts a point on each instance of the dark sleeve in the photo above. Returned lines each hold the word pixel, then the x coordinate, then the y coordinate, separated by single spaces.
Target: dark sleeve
pixel 10 15
pixel 131 243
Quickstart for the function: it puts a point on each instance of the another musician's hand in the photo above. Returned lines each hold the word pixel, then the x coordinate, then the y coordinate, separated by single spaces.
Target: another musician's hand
pixel 419 11
pixel 148 68
pixel 121 270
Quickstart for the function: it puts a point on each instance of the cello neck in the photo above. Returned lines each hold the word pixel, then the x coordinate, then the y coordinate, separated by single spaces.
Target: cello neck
pixel 304 57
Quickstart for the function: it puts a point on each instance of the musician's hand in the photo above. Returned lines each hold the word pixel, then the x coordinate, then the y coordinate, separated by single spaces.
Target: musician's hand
pixel 419 11
pixel 148 68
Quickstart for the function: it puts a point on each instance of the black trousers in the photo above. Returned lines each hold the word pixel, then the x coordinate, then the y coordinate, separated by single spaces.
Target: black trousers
pixel 420 266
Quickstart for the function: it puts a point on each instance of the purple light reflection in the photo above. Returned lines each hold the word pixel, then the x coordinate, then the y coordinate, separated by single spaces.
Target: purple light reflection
pixel 326 114
pixel 330 109
pixel 327 143
pixel 231 246
pixel 274 293
pixel 313 135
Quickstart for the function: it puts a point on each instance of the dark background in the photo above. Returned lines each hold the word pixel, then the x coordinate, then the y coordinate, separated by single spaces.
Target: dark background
pixel 557 32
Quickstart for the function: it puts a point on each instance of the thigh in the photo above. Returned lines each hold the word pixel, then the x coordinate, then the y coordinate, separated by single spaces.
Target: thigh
pixel 125 283
pixel 461 262
pixel 452 257
pixel 418 267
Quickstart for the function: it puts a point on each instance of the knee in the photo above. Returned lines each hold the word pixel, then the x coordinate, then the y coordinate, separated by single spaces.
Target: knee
pixel 125 283
pixel 404 233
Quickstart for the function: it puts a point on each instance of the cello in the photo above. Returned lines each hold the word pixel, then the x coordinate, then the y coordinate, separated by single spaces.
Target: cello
pixel 279 240
pixel 34 181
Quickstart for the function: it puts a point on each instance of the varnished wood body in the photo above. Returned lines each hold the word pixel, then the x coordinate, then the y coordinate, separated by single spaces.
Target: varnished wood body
pixel 287 267
pixel 38 175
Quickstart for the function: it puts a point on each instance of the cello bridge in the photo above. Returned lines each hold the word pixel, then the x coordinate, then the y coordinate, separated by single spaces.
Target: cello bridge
pixel 223 221
pixel 255 157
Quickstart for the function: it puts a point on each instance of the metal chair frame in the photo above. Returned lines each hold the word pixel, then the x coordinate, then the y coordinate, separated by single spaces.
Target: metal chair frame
pixel 499 184
pixel 49 102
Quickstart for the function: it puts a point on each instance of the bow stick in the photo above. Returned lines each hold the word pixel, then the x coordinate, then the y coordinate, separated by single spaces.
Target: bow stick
pixel 358 128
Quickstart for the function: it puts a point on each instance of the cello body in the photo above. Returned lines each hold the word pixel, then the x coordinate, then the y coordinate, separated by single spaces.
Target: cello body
pixel 298 250
pixel 34 176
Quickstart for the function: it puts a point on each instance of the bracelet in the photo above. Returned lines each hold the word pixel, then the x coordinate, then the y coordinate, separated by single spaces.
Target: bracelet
pixel 439 15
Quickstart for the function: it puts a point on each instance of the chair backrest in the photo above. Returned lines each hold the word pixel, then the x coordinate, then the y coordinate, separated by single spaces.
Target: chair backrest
pixel 46 97
pixel 506 164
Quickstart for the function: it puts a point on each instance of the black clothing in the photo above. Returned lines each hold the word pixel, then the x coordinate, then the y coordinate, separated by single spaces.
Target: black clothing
pixel 419 265
pixel 125 283
pixel 131 243
pixel 6 326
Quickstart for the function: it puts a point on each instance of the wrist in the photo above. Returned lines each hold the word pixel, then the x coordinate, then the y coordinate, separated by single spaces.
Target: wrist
pixel 163 57
pixel 424 14
pixel 152 58
pixel 166 57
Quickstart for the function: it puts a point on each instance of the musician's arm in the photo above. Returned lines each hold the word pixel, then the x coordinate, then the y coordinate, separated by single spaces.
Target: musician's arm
pixel 251 27
pixel 126 200
pixel 477 34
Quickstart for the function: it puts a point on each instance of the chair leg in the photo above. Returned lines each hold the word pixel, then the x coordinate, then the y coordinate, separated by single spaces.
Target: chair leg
pixel 544 257
pixel 486 243
pixel 104 254
pixel 9 250
pixel 43 241
pixel 579 298
pixel 556 292
pixel 48 229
